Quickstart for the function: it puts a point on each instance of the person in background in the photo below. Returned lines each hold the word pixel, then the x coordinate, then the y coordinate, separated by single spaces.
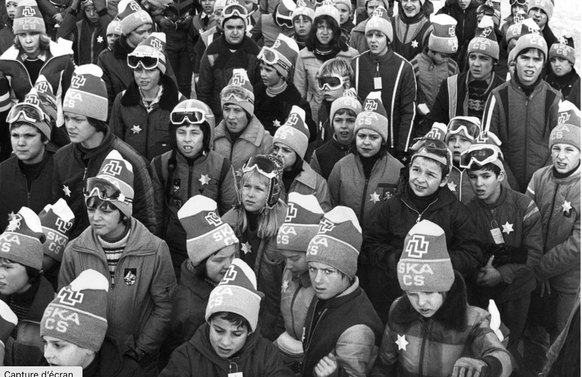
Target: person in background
pixel 465 12
pixel 113 33
pixel 541 11
pixel 6 34
pixel 199 42
pixel 302 19
pixel 358 33
pixel 411 28
pixel 346 17
pixel 271 25
pixel 563 75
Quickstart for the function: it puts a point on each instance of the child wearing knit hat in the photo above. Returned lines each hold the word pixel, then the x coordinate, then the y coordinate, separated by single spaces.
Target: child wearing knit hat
pixel 230 342
pixel 348 324
pixel 411 16
pixel 113 33
pixel 302 19
pixel 344 111
pixel 346 17
pixel 270 25
pixel 436 293
pixel 562 57
pixel 541 11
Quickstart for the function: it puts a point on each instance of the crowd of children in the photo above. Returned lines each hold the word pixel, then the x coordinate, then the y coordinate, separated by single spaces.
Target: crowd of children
pixel 289 188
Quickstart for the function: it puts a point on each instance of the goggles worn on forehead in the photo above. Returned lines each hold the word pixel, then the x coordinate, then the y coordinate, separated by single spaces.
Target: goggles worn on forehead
pixel 480 154
pixel 104 191
pixel 236 94
pixel 332 82
pixel 265 165
pixel 434 149
pixel 232 10
pixel 147 62
pixel 269 56
pixel 284 22
pixel 518 2
pixel 192 116
pixel 470 129
pixel 26 112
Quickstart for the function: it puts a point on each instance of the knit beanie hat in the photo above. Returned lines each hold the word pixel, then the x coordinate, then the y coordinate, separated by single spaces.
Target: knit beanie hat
pixel 338 241
pixel 520 28
pixel 132 16
pixel 28 18
pixel 48 101
pixel 347 3
pixel 425 265
pixel 294 132
pixel 239 91
pixel 532 40
pixel 271 167
pixel 79 312
pixel 348 100
pixel 282 55
pixel 285 10
pixel 23 238
pixel 301 222
pixel 546 5
pixel 443 38
pixel 234 9
pixel 206 233
pixel 17 114
pixel 485 41
pixel 115 173
pixel 56 220
pixel 564 49
pixel 568 129
pixel 380 20
pixel 491 8
pixel 327 9
pixel 87 94
pixel 303 10
pixel 434 149
pixel 373 117
pixel 152 47
pixel 236 293
pixel 114 27
pixel 8 321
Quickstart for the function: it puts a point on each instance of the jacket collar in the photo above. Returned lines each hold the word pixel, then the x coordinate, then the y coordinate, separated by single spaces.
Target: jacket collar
pixel 55 49
pixel 170 95
pixel 121 49
pixel 253 133
pixel 306 176
pixel 108 140
pixel 219 45
pixel 343 297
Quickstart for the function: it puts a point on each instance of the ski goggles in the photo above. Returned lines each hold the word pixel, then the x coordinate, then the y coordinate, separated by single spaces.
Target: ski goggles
pixel 331 82
pixel 269 56
pixel 236 95
pixel 147 62
pixel 435 150
pixel 522 3
pixel 465 126
pixel 193 116
pixel 233 10
pixel 26 112
pixel 481 154
pixel 269 166
pixel 104 191
pixel 284 21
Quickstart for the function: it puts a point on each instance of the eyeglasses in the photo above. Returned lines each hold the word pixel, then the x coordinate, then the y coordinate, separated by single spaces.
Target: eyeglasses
pixel 269 56
pixel 26 112
pixel 480 155
pixel 234 10
pixel 104 191
pixel 147 62
pixel 470 129
pixel 269 166
pixel 332 82
pixel 236 94
pixel 193 116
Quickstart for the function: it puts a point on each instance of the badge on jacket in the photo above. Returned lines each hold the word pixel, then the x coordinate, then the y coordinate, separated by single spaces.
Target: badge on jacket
pixel 129 276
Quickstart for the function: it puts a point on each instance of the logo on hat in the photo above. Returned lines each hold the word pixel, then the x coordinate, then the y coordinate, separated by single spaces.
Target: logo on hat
pixel 277 43
pixel 69 297
pixel 32 99
pixel 417 246
pixel 238 79
pixel 452 31
pixel 112 168
pixel 293 118
pixel 537 40
pixel 377 12
pixel 564 117
pixel 63 225
pixel 154 42
pixel 326 226
pixel 78 81
pixel 486 32
pixel 213 219
pixel 134 6
pixel 291 212
pixel 371 106
pixel 229 276
pixel 28 12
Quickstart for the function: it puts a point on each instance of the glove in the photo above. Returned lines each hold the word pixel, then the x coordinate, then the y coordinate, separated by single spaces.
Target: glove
pixel 468 367
pixel 8 321
pixel 136 354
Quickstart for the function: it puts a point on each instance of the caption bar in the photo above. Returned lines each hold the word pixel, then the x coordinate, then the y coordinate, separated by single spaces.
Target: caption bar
pixel 41 372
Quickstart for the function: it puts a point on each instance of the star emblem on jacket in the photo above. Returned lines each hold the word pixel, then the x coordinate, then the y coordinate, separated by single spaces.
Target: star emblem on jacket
pixel 401 342
pixel 414 43
pixel 99 39
pixel 13 224
pixel 136 129
pixel 276 123
pixel 374 197
pixel 567 207
pixel 204 179
pixel 285 286
pixel 246 248
pixel 452 186
pixel 67 190
pixel 11 216
pixel 507 227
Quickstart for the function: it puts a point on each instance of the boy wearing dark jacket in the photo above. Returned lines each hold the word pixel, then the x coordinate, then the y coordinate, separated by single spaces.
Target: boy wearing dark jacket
pixel 465 12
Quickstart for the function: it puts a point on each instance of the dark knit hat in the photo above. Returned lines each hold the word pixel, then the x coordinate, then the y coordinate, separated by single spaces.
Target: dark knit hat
pixel 23 238
pixel 87 94
pixel 56 220
pixel 28 18
pixel 301 222
pixel 518 29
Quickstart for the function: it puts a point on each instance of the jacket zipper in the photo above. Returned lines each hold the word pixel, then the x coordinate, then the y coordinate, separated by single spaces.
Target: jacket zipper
pixel 419 213
pixel 92 48
pixel 314 327
pixel 292 313
pixel 190 168
pixel 425 334
pixel 364 200
pixel 550 218
pixel 526 138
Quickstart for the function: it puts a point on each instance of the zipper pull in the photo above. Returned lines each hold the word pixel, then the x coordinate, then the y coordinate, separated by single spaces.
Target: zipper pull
pixel 419 218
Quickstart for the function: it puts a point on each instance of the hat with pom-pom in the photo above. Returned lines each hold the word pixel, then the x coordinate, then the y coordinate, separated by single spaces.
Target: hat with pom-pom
pixel 132 16
pixel 373 116
pixel 327 9
pixel 301 222
pixel 294 132
pixel 380 20
pixel 443 38
pixel 56 220
pixel 87 94
pixel 28 18
pixel 23 238
pixel 239 91
pixel 282 55
pixel 491 8
pixel 485 41
pixel 303 10
pixel 564 48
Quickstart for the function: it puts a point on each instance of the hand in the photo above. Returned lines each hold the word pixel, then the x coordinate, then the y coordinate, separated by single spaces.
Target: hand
pixel 544 287
pixel 489 276
pixel 58 18
pixel 326 366
pixel 468 367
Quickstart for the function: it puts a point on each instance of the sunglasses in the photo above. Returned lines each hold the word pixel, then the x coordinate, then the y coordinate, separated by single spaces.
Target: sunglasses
pixel 269 56
pixel 480 155
pixel 193 116
pixel 470 129
pixel 147 62
pixel 332 82
pixel 104 191
pixel 26 112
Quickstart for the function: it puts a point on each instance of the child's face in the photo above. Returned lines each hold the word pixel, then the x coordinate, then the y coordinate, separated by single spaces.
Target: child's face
pixel 560 66
pixel 529 65
pixel 371 6
pixel 226 339
pixel 343 127
pixel 254 193
pixel 295 261
pixel 377 42
pixel 147 79
pixel 411 7
pixel 190 140
pixel 486 185
pixel 13 278
pixel 565 157
pixel 426 176
pixel 287 154
pixel 368 142
pixel 324 33
pixel 438 57
pixel 539 16
pixel 207 6
pixel 11 9
pixel 105 220
pixel 111 38
pixel 27 143
pixel 91 14
pixel 333 86
pixel 30 42
pixel 426 303
pixel 217 264
pixel 59 352
pixel 464 4
pixel 457 144
pixel 327 281
pixel 480 65
pixel 269 75
pixel 302 25
pixel 235 118
pixel 344 11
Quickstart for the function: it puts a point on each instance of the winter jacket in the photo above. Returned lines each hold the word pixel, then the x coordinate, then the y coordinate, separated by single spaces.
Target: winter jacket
pixel 460 186
pixel 205 39
pixel 253 140
pixel 453 98
pixel 345 325
pixel 146 131
pixel 57 69
pixel 519 223
pixel 74 168
pixel 559 202
pixel 308 182
pixel 304 79
pixel 187 180
pixel 466 25
pixel 410 34
pixel 325 157
pixel 349 187
pixel 431 346
pixel 358 37
pixel 429 76
pixel 139 301
pixel 564 86
pixel 258 358
pixel 268 267
pixel 398 92
pixel 6 37
pixel 28 348
pixel 523 124
pixel 14 187
pixel 217 65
